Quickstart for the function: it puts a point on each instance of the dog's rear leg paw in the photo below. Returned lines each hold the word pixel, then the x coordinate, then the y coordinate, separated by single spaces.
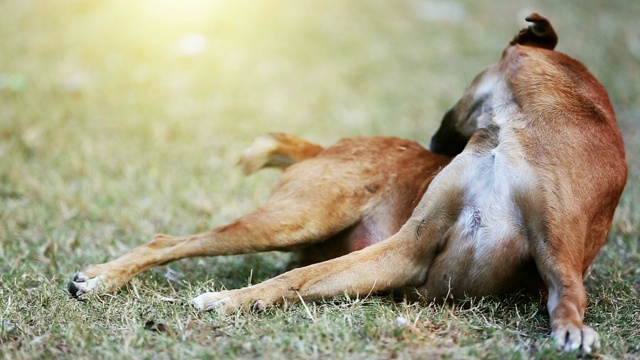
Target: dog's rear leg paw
pixel 100 279
pixel 82 284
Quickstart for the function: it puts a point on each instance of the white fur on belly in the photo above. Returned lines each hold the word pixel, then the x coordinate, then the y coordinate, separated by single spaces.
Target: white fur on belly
pixel 490 216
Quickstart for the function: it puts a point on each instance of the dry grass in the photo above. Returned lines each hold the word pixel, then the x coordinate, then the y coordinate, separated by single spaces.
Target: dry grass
pixel 110 133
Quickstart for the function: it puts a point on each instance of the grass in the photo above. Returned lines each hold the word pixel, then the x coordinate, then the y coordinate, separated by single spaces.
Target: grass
pixel 110 133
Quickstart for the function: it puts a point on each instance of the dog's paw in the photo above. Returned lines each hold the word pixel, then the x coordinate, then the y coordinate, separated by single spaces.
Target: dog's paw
pixel 98 279
pixel 82 284
pixel 227 302
pixel 220 301
pixel 570 337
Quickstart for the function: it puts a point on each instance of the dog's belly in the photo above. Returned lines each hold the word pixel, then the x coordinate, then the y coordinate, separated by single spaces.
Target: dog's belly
pixel 487 250
pixel 367 232
pixel 490 262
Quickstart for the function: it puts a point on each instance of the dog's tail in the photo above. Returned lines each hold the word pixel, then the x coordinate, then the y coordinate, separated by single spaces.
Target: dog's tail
pixel 539 34
pixel 277 150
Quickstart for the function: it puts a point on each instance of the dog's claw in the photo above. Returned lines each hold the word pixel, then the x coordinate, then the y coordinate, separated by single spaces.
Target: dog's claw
pixel 213 305
pixel 259 305
pixel 73 289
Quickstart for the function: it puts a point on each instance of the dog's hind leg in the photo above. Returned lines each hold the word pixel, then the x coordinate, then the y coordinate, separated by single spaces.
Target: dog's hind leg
pixel 275 226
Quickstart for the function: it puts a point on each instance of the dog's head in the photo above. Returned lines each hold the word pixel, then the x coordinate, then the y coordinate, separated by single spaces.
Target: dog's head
pixel 474 109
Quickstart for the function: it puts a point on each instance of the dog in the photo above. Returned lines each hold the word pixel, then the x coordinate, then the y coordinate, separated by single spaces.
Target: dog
pixel 526 202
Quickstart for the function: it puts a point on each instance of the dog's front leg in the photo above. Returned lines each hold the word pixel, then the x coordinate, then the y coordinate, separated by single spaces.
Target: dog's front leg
pixel 559 260
pixel 387 265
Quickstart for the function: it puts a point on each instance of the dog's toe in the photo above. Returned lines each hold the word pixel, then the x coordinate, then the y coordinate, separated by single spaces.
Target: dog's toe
pixel 590 340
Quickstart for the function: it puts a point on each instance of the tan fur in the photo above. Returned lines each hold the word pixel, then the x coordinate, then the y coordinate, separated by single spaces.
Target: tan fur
pixel 526 203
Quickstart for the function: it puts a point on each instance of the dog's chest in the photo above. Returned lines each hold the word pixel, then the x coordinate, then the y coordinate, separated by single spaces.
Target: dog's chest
pixel 490 218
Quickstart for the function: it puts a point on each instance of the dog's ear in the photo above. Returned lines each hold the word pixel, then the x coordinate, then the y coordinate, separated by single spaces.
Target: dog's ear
pixel 539 34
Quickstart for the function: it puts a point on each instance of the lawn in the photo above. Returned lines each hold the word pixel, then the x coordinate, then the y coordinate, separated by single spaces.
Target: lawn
pixel 121 119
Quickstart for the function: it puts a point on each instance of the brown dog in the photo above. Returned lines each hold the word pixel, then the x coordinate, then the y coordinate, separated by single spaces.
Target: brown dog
pixel 526 203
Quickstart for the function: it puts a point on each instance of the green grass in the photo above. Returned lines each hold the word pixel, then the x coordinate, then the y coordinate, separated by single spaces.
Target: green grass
pixel 108 135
